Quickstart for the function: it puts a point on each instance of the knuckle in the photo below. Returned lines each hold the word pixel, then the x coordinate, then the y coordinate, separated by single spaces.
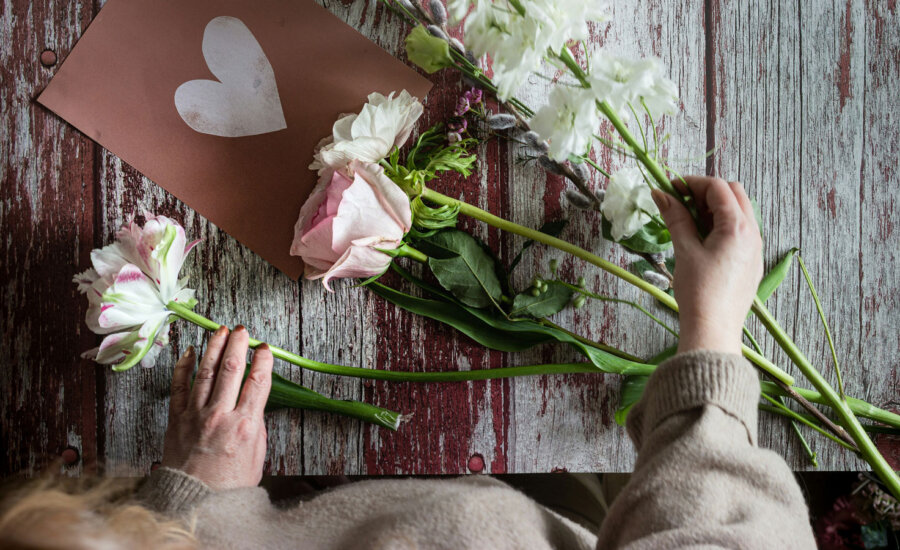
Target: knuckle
pixel 259 379
pixel 205 373
pixel 180 389
pixel 232 365
pixel 247 428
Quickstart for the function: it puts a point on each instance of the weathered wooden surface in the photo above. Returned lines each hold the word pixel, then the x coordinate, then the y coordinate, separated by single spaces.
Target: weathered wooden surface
pixel 799 98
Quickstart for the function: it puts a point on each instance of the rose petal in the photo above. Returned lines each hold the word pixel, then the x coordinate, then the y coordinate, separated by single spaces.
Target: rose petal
pixel 358 261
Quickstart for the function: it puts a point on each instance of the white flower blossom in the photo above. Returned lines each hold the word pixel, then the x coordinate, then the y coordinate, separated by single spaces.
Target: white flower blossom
pixel 627 203
pixel 622 82
pixel 568 121
pixel 518 42
pixel 382 124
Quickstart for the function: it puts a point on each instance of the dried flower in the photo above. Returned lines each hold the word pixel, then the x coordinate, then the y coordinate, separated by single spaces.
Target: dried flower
pixel 462 106
pixel 454 137
pixel 655 279
pixel 438 32
pixel 438 11
pixel 474 95
pixel 549 166
pixel 458 125
pixel 577 200
pixel 457 45
pixel 501 121
pixel 581 171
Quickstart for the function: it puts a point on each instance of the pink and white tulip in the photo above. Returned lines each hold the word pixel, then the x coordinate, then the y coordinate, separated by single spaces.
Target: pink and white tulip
pixel 350 215
pixel 128 288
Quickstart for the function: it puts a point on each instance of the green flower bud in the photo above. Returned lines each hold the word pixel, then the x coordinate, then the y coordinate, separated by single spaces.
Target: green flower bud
pixel 579 301
pixel 428 51
pixel 581 282
pixel 554 263
pixel 535 292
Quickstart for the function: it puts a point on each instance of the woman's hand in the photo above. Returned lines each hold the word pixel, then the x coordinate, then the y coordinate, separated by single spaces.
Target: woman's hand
pixel 717 277
pixel 216 431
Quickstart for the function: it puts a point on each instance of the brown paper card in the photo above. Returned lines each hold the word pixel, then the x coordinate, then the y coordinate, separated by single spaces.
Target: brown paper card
pixel 236 147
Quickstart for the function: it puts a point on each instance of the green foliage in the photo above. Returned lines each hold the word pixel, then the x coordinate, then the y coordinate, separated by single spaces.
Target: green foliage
pixel 545 304
pixel 653 237
pixel 633 386
pixel 428 157
pixel 463 267
pixel 773 279
pixel 427 220
pixel 492 329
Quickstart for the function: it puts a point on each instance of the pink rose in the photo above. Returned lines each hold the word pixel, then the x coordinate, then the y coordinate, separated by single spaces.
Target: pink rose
pixel 345 221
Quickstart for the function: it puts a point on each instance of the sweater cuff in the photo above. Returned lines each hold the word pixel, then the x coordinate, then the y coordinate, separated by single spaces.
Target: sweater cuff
pixel 695 379
pixel 171 492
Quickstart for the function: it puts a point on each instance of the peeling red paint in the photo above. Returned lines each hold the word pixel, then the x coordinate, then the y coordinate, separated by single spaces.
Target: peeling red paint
pixel 842 76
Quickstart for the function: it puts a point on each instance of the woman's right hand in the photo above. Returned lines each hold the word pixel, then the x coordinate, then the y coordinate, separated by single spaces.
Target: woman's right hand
pixel 716 277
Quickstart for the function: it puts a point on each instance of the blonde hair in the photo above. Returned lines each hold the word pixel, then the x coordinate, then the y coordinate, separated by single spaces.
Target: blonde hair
pixel 56 513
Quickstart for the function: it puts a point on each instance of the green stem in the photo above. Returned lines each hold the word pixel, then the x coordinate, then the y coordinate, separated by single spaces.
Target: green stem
pixel 815 295
pixel 375 374
pixel 609 267
pixel 287 394
pixel 635 305
pixel 778 407
pixel 841 408
pixel 858 406
pixel 603 347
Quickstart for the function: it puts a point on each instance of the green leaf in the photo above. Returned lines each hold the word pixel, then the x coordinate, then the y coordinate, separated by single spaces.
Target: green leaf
pixel 454 315
pixel 428 52
pixel 553 229
pixel 426 218
pixel 640 266
pixel 653 237
pixel 775 276
pixel 545 304
pixel 633 386
pixel 531 332
pixel 464 268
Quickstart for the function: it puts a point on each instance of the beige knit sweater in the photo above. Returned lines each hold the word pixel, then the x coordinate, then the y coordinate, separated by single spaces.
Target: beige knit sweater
pixel 699 481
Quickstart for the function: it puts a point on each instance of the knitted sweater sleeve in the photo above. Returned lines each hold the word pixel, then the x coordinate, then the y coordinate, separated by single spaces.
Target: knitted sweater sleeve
pixel 700 479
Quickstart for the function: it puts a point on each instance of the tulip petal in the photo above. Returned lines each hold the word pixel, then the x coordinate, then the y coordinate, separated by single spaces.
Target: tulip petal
pixel 130 300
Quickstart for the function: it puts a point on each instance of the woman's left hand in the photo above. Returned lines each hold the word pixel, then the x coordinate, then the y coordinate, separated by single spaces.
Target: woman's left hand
pixel 216 431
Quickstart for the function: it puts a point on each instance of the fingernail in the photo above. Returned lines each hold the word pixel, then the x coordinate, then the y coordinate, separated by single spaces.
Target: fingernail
pixel 264 346
pixel 239 328
pixel 188 353
pixel 660 198
pixel 221 330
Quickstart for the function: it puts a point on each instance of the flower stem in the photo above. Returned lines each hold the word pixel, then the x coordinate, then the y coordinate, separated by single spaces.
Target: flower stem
pixel 858 406
pixel 376 374
pixel 866 447
pixel 285 393
pixel 778 407
pixel 605 265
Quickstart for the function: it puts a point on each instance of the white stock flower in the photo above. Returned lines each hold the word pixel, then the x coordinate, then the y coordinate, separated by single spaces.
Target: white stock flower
pixel 627 203
pixel 128 288
pixel 621 81
pixel 382 124
pixel 567 121
pixel 517 43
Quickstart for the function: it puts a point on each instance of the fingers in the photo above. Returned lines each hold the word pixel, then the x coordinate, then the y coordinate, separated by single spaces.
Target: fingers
pixel 181 382
pixel 678 219
pixel 744 201
pixel 206 374
pixel 723 206
pixel 231 370
pixel 258 383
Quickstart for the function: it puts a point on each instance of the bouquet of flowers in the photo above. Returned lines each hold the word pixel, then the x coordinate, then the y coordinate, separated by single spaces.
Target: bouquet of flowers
pixel 376 209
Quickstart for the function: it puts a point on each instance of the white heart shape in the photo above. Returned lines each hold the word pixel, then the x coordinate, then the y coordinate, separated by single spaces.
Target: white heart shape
pixel 244 101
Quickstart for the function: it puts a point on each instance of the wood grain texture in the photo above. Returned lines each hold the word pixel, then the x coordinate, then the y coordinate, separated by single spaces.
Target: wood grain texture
pixel 799 99
pixel 47 394
pixel 791 109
